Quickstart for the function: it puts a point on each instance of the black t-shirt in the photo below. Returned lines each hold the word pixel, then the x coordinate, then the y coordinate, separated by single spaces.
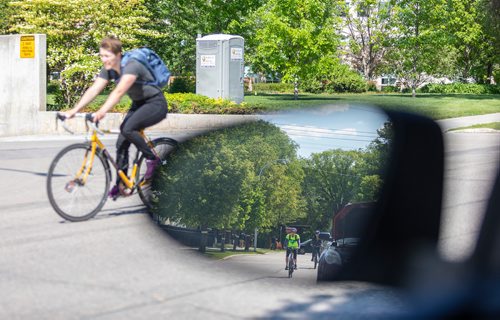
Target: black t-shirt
pixel 137 91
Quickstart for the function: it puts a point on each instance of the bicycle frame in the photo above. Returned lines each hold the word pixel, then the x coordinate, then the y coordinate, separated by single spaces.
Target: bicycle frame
pixel 95 142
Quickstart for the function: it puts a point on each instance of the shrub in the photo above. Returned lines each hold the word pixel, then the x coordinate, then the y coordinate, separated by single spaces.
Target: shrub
pixel 335 78
pixel 75 79
pixel 390 89
pixel 461 88
pixel 183 85
pixel 371 86
pixel 53 87
pixel 266 87
pixel 193 103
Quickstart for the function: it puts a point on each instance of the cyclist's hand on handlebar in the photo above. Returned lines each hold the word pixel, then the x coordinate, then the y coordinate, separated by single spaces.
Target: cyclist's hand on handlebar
pixel 98 115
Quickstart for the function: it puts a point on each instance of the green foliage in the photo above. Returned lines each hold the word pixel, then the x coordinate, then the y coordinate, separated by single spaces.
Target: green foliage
pixel 334 178
pixel 5 15
pixel 193 103
pixel 371 86
pixel 421 47
pixel 179 22
pixel 367 34
pixel 264 87
pixel 463 88
pixel 217 180
pixel 390 89
pixel 332 77
pixel 291 37
pixel 74 29
pixel 183 85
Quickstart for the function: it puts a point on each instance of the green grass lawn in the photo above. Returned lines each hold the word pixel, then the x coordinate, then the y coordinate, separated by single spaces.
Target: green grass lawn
pixel 436 106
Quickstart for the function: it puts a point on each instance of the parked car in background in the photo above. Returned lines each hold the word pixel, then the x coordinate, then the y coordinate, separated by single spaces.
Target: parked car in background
pixel 348 225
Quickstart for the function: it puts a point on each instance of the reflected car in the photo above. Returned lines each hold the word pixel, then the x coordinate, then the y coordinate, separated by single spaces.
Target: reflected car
pixel 348 226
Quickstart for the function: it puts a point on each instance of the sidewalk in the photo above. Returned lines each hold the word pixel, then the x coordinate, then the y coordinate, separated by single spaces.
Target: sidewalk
pixel 452 123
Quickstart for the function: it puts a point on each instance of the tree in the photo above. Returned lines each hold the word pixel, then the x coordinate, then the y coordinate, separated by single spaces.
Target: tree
pixel 367 28
pixel 74 29
pixel 331 181
pixel 5 14
pixel 420 46
pixel 470 25
pixel 292 37
pixel 185 20
pixel 215 181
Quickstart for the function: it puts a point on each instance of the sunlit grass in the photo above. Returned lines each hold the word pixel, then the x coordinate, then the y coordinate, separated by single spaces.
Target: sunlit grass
pixel 436 106
pixel 491 125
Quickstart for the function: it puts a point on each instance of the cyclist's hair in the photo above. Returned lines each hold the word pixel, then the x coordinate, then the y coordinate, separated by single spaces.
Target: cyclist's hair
pixel 112 44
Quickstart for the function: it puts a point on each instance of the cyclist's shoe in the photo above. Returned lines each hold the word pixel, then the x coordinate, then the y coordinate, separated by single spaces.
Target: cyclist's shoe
pixel 114 193
pixel 286 268
pixel 295 267
pixel 151 166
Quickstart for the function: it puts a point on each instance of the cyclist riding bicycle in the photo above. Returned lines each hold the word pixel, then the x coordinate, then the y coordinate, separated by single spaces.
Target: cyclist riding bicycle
pixel 148 108
pixel 316 245
pixel 292 244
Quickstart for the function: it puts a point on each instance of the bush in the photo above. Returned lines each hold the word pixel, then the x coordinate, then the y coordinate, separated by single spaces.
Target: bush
pixel 193 103
pixel 265 87
pixel 335 78
pixel 371 86
pixel 183 85
pixel 53 87
pixel 461 88
pixel 75 79
pixel 390 89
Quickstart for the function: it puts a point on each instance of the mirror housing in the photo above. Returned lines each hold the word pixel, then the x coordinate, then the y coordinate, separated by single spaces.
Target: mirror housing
pixel 406 219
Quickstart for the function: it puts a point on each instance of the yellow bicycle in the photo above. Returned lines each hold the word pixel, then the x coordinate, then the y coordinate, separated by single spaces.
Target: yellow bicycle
pixel 79 177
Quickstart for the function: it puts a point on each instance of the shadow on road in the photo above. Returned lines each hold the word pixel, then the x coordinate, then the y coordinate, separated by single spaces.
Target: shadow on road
pixel 110 213
pixel 44 174
pixel 369 304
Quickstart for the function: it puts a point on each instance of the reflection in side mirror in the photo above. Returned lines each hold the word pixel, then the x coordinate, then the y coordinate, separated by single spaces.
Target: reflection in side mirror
pixel 287 169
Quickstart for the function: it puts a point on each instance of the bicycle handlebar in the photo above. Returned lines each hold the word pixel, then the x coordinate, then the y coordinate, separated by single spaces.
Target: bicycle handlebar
pixel 89 120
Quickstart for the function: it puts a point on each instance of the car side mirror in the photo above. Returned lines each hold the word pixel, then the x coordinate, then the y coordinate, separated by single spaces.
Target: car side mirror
pixel 405 220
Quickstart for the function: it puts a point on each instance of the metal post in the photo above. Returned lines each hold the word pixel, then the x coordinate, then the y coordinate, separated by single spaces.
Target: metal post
pixel 255 240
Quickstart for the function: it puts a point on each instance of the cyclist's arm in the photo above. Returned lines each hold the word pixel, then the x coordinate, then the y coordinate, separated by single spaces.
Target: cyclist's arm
pixel 89 95
pixel 126 81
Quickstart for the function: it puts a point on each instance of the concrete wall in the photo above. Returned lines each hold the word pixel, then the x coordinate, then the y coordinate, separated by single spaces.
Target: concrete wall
pixel 22 83
pixel 173 122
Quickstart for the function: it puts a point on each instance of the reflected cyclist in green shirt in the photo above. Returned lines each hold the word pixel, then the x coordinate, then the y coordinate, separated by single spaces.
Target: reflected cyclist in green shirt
pixel 292 243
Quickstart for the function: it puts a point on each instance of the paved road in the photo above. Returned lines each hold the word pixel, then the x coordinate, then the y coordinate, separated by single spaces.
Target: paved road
pixel 121 265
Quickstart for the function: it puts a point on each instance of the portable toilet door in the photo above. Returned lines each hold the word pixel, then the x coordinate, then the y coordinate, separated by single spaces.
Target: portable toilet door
pixel 220 67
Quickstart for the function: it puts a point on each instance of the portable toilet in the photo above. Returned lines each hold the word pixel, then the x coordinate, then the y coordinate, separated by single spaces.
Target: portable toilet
pixel 220 66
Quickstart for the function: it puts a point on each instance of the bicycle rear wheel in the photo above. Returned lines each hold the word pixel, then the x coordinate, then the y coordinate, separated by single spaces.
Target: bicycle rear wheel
pixel 163 147
pixel 71 195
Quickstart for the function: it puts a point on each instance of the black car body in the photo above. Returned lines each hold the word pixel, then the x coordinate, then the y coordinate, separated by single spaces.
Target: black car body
pixel 347 227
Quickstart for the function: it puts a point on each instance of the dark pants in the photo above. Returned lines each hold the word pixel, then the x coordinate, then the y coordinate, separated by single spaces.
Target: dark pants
pixel 288 250
pixel 142 114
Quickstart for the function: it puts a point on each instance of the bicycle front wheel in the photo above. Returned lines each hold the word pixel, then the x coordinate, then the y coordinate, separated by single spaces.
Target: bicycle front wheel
pixel 163 147
pixel 74 194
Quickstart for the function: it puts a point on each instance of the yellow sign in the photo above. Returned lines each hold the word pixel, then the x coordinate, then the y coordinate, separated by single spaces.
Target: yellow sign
pixel 27 48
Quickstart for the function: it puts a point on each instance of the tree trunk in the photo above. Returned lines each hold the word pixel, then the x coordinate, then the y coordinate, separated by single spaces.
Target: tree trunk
pixel 296 90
